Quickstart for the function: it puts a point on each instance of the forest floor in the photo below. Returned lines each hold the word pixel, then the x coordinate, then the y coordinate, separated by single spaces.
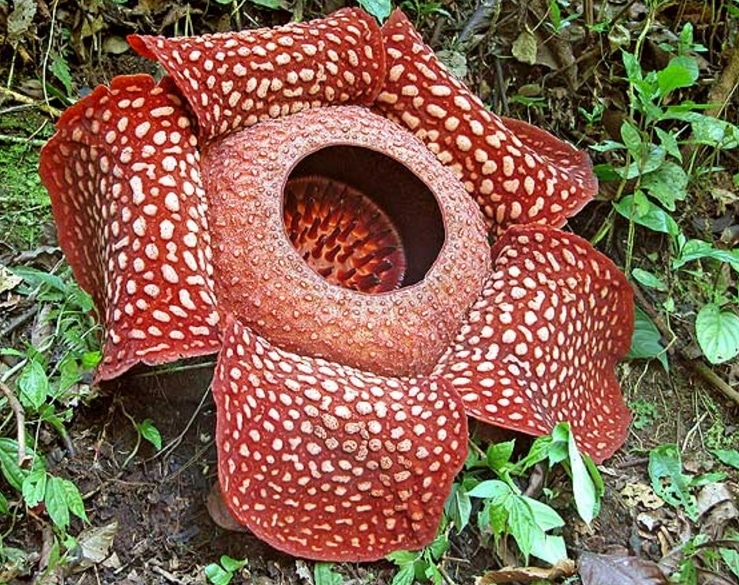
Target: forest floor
pixel 557 65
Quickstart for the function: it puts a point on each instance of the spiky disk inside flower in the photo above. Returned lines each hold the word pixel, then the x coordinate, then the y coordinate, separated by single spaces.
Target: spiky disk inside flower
pixel 266 283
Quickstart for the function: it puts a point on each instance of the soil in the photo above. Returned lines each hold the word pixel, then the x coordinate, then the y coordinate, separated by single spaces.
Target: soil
pixel 155 503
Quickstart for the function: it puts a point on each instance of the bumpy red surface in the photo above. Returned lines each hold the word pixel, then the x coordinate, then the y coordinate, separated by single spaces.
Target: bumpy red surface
pixel 234 80
pixel 123 175
pixel 516 172
pixel 540 345
pixel 328 462
pixel 262 279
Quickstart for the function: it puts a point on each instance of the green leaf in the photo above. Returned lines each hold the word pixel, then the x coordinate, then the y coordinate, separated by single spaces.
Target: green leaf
pixel 546 517
pixel 648 160
pixel 522 524
pixel 33 384
pixel 438 547
pixel 56 503
pixel 271 4
pixel 583 488
pixel 36 278
pixel 34 488
pixel 667 184
pixel 323 574
pixel 632 139
pixel 499 454
pixel 668 141
pixel 680 72
pixel 714 131
pixel 458 507
pixel 632 66
pixel 60 70
pixel 648 279
pixel 406 575
pixel 718 333
pixel 380 9
pixel 91 359
pixel 492 488
pixel 150 433
pixel 647 214
pixel 698 250
pixel 73 499
pixel 231 564
pixel 217 575
pixel 668 480
pixel 13 474
pixel 646 342
pixel 728 457
pixel 731 558
pixel 403 557
pixel 4 508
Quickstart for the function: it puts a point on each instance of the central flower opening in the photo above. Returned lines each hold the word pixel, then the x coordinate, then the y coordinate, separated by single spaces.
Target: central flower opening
pixel 362 220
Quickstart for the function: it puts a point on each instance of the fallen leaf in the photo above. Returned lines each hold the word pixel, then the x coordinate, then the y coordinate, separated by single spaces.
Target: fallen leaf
pixel 524 47
pixel 93 546
pixel 19 21
pixel 640 494
pixel 598 569
pixel 563 568
pixel 8 280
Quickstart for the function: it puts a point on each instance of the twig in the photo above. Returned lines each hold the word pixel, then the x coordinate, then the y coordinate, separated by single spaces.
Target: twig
pixel 20 420
pixel 725 85
pixel 701 368
pixel 178 439
pixel 712 377
pixel 21 140
pixel 18 321
pixel 22 99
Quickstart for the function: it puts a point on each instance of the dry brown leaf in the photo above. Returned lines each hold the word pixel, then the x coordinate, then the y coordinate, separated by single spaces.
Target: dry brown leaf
pixel 598 569
pixel 636 494
pixel 563 568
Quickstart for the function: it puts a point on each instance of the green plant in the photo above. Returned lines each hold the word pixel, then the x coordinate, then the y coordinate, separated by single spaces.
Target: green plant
pixel 41 390
pixel 24 203
pixel 507 511
pixel 671 484
pixel 144 430
pixel 323 574
pixel 645 413
pixel 222 572
pixel 654 180
pixel 422 565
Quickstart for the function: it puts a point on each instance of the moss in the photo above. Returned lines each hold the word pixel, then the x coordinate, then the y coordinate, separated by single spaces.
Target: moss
pixel 24 203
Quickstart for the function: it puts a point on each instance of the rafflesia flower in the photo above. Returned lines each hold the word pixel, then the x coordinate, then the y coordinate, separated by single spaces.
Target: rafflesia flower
pixel 298 200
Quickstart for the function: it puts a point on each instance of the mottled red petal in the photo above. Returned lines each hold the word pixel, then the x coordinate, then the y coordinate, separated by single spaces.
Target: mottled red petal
pixel 123 175
pixel 517 173
pixel 540 345
pixel 328 462
pixel 234 80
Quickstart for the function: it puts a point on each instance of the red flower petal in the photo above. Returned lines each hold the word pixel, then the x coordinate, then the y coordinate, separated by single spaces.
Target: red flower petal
pixel 540 345
pixel 234 80
pixel 516 172
pixel 328 462
pixel 123 175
